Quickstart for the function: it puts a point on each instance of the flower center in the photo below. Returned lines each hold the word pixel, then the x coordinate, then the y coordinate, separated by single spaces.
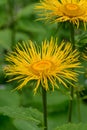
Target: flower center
pixel 71 7
pixel 42 66
pixel 72 10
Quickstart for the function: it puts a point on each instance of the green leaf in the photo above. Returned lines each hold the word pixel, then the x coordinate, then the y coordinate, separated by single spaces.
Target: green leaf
pixel 6 123
pixel 24 125
pixel 2 79
pixel 80 126
pixel 3 2
pixel 26 11
pixel 27 114
pixel 21 37
pixel 8 98
pixel 31 26
pixel 5 39
pixel 56 101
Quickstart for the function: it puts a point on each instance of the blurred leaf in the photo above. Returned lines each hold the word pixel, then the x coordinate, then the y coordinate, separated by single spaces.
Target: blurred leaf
pixel 26 11
pixel 5 39
pixel 24 125
pixel 35 30
pixel 28 114
pixel 21 37
pixel 56 102
pixel 59 119
pixel 8 98
pixel 31 26
pixel 80 126
pixel 2 75
pixel 6 123
pixel 3 19
pixel 3 2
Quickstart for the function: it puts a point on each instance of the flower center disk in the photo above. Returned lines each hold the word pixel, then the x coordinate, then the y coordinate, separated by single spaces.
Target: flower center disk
pixel 72 10
pixel 42 66
pixel 71 7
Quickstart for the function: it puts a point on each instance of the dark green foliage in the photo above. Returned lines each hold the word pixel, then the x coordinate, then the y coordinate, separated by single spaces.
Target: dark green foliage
pixel 80 126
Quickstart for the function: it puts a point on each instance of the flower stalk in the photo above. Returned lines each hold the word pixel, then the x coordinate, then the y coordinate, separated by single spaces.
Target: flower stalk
pixel 44 98
pixel 78 106
pixel 12 21
pixel 71 87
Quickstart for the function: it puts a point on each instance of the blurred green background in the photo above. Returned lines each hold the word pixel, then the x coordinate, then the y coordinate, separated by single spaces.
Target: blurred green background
pixel 21 110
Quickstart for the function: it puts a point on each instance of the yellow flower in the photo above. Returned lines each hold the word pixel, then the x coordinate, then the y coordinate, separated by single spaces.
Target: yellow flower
pixel 67 10
pixel 48 65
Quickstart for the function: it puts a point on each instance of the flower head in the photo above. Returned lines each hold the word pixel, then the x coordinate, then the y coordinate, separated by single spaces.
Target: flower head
pixel 48 65
pixel 64 10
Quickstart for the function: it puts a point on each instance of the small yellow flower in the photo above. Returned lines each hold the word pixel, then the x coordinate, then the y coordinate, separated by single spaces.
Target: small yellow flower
pixel 48 65
pixel 64 10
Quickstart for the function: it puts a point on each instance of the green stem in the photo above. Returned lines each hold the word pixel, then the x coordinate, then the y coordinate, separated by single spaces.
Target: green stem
pixel 44 98
pixel 78 106
pixel 72 34
pixel 11 4
pixel 71 87
pixel 71 104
